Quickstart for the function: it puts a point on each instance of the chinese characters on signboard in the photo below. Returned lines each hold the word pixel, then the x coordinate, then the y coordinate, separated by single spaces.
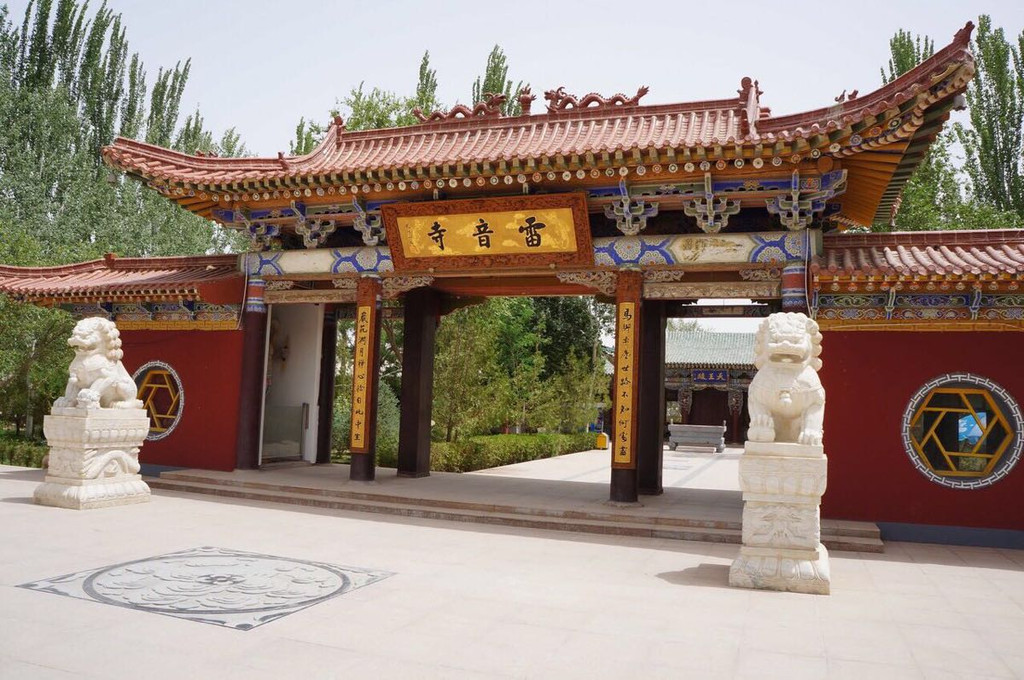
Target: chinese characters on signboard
pixel 361 378
pixel 625 366
pixel 510 232
pixel 710 376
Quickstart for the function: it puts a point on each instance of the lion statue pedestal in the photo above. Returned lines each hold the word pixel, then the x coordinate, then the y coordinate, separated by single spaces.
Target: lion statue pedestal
pixel 96 429
pixel 783 470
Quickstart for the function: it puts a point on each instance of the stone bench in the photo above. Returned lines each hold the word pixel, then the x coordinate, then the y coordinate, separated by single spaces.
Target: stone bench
pixel 697 435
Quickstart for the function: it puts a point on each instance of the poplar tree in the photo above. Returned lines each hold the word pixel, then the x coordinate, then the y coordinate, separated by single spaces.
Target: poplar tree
pixel 934 196
pixel 930 195
pixel 495 80
pixel 994 142
pixel 68 84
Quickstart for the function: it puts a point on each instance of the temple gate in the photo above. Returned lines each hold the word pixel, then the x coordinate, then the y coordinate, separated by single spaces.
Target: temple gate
pixel 652 207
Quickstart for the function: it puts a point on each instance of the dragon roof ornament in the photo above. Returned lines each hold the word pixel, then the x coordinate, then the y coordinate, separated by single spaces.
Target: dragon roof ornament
pixel 560 100
pixel 490 107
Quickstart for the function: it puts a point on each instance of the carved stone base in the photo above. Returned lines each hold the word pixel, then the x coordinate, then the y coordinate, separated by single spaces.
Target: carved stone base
pixel 94 458
pixel 92 493
pixel 782 484
pixel 796 571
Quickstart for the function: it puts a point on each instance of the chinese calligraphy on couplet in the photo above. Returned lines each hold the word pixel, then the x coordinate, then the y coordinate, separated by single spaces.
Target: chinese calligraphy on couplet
pixel 625 335
pixel 360 378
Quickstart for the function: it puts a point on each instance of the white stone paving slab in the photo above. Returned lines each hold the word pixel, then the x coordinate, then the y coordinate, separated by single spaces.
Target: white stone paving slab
pixel 477 601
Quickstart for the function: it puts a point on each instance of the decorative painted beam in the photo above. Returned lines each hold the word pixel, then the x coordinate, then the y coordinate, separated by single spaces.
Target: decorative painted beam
pixel 183 315
pixel 641 251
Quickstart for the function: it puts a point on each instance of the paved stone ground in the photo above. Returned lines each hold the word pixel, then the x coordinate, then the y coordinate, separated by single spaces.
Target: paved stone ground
pixel 691 469
pixel 470 601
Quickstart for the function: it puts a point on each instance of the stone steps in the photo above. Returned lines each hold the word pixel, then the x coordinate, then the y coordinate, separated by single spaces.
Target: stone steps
pixel 836 536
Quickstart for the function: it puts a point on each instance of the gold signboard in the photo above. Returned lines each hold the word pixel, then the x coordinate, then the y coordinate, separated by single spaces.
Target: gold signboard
pixel 625 367
pixel 361 378
pixel 516 231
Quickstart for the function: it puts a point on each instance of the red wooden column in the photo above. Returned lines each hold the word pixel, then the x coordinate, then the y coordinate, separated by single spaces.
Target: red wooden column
pixel 422 309
pixel 254 366
pixel 625 383
pixel 651 402
pixel 365 378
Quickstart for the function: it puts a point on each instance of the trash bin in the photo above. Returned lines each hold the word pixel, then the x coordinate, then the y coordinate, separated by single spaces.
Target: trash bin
pixel 602 441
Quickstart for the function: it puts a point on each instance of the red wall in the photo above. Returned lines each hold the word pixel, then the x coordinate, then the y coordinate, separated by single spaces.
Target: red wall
pixel 209 364
pixel 869 377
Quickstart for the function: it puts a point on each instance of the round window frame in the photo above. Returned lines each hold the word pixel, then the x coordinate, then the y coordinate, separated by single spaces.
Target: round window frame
pixel 141 370
pixel 1002 398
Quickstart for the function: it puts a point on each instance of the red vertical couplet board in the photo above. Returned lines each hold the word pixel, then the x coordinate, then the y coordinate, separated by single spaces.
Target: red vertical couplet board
pixel 364 367
pixel 627 363
pixel 360 377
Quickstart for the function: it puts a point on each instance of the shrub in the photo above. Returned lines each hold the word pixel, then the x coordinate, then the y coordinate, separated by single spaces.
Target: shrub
pixel 22 452
pixel 388 420
pixel 479 453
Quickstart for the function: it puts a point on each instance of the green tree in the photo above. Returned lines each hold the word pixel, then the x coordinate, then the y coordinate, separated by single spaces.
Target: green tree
pixel 568 328
pixel 495 80
pixel 905 52
pixel 933 197
pixel 464 371
pixel 576 394
pixel 307 135
pixel 932 194
pixel 426 87
pixel 994 142
pixel 68 84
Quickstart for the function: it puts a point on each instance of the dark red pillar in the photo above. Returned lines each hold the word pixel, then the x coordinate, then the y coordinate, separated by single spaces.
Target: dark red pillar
pixel 254 365
pixel 625 378
pixel 651 403
pixel 422 308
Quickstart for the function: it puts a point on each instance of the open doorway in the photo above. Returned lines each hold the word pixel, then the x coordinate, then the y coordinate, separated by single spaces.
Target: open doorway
pixel 290 405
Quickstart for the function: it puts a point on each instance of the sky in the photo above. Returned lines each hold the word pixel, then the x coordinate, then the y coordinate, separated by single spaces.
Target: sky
pixel 261 65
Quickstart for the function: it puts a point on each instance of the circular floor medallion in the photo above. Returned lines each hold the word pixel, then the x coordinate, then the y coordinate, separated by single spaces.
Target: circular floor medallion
pixel 215 584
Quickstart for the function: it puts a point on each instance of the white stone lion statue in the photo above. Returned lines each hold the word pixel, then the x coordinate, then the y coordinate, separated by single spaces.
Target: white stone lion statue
pixel 785 398
pixel 97 378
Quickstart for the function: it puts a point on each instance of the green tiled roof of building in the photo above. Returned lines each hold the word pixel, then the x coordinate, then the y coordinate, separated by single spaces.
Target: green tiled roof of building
pixel 700 349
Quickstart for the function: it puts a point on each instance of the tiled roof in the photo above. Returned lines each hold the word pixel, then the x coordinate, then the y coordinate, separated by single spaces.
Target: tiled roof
pixel 701 348
pixel 573 137
pixel 470 140
pixel 114 279
pixel 996 253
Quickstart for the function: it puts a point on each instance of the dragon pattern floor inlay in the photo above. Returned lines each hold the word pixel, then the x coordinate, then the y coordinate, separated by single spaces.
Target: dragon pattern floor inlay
pixel 232 588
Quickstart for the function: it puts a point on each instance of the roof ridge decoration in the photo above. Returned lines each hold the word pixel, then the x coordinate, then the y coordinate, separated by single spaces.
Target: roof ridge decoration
pixel 490 107
pixel 559 100
pixel 750 101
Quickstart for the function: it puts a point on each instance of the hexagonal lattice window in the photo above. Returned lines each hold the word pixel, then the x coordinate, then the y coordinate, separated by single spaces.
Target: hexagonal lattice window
pixel 961 431
pixel 159 389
